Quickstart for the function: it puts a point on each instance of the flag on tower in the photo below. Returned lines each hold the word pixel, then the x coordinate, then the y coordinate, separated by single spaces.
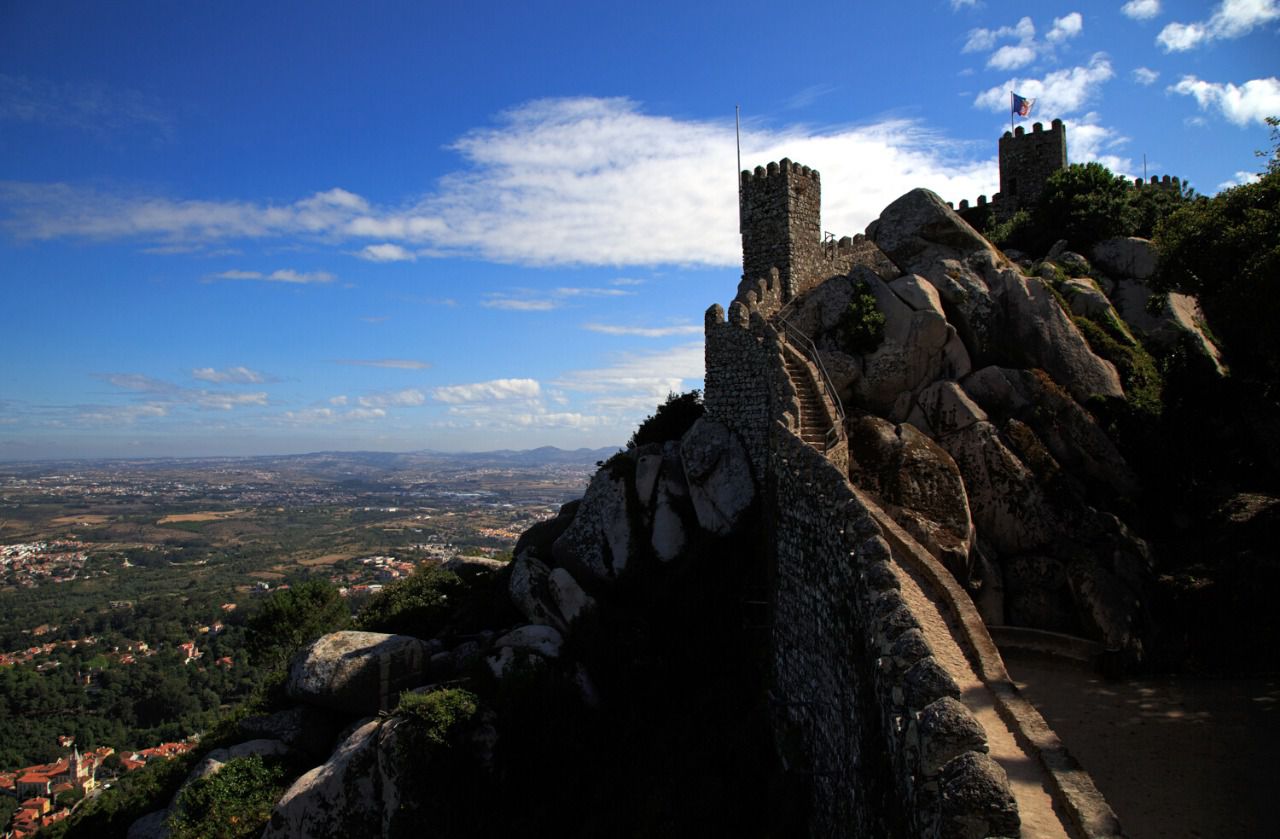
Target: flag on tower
pixel 1022 107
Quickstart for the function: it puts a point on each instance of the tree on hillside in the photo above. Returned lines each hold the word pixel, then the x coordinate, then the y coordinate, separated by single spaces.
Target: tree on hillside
pixel 292 618
pixel 1226 250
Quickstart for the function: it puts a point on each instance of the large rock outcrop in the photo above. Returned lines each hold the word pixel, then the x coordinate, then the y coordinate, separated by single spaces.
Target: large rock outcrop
pixel 357 672
pixel 1000 313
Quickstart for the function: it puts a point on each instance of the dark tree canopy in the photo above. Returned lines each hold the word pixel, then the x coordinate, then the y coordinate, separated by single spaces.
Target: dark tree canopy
pixel 670 421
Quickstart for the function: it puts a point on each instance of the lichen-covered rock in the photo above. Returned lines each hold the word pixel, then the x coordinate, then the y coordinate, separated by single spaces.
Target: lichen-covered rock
pixel 597 545
pixel 976 800
pixel 539 538
pixel 718 473
pixel 1068 431
pixel 1126 257
pixel 357 672
pixel 1108 608
pixel 530 590
pixel 919 484
pixel 1178 318
pixel 1036 594
pixel 571 601
pixel 1009 507
pixel 543 640
pixel 338 799
pixel 944 408
pixel 990 302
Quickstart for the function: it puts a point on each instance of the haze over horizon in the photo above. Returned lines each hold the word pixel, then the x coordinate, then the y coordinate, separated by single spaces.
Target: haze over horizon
pixel 232 229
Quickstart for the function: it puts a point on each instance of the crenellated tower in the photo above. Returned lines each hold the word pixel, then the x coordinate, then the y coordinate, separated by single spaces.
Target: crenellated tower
pixel 778 217
pixel 1026 162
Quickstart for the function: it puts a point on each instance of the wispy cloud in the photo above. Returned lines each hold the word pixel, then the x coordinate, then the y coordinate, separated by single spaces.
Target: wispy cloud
pixel 495 390
pixel 1231 19
pixel 809 95
pixel 1240 179
pixel 389 363
pixel 1060 92
pixel 1145 76
pixel 233 375
pixel 163 392
pixel 643 331
pixel 87 106
pixel 527 300
pixel 407 398
pixel 566 181
pixel 637 382
pixel 283 275
pixel 1251 102
pixel 1141 9
pixel 519 304
pixel 386 252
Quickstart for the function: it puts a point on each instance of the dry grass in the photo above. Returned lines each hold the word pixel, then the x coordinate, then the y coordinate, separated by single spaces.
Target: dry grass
pixel 209 516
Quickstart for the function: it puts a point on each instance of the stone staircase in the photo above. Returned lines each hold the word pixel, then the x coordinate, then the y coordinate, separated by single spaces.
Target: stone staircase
pixel 814 421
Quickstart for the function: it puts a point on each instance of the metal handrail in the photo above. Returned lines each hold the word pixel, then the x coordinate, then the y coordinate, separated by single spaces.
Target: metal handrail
pixel 809 350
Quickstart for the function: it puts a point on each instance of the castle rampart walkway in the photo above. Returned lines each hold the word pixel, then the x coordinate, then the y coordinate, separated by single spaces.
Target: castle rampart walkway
pixel 1056 798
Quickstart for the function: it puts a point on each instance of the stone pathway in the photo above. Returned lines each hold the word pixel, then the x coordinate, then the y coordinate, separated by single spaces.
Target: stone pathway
pixel 1027 778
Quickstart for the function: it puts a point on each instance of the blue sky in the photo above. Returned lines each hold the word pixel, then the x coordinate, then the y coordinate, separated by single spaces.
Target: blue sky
pixel 242 228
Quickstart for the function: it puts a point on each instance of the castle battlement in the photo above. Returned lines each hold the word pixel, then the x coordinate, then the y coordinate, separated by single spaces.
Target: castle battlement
pixel 1027 159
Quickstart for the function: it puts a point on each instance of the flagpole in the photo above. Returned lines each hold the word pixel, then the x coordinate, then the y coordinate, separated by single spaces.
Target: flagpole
pixel 737 136
pixel 1011 112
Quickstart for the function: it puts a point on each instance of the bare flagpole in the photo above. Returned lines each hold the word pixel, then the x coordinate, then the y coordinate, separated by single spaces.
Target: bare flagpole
pixel 737 135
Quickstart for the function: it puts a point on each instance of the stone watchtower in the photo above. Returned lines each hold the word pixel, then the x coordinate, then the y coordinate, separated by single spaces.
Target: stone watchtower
pixel 778 218
pixel 1027 161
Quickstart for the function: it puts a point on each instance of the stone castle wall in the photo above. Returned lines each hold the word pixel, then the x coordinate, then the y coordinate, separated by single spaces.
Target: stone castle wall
pixel 864 718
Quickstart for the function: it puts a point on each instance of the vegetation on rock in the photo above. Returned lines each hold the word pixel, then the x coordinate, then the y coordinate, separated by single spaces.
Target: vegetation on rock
pixel 861 325
pixel 233 803
pixel 671 419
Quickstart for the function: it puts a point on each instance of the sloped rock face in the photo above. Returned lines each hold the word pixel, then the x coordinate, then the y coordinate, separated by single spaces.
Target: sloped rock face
pixel 997 311
pixel 718 472
pixel 357 672
pixel 920 486
pixel 337 799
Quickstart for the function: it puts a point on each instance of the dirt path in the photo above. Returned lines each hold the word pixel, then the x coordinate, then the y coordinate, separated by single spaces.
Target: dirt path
pixel 1175 756
pixel 1027 779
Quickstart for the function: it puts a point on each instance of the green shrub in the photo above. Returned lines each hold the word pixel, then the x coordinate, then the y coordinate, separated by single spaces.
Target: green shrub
pixel 670 421
pixel 434 714
pixel 294 617
pixel 419 605
pixel 861 326
pixel 235 803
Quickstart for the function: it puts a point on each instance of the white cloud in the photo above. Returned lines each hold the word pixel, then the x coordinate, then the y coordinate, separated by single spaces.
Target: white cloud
pixel 1011 57
pixel 1058 93
pixel 643 331
pixel 561 181
pixel 228 401
pixel 325 416
pixel 957 5
pixel 1240 179
pixel 1145 75
pixel 234 375
pixel 518 304
pixel 121 415
pixel 1092 141
pixel 495 390
pixel 638 381
pixel 338 400
pixel 283 275
pixel 398 399
pixel 1141 9
pixel 981 40
pixel 1065 27
pixel 1231 19
pixel 386 252
pixel 365 413
pixel 1253 101
pixel 388 363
